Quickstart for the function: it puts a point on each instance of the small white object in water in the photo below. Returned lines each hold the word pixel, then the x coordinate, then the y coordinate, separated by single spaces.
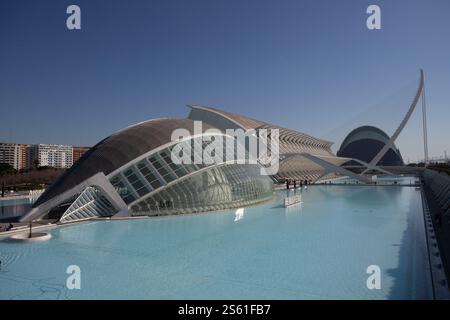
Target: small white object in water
pixel 239 214
pixel 289 201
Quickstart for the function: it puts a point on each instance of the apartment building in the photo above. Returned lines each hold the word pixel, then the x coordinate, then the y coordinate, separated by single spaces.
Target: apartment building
pixel 51 155
pixel 9 154
pixel 78 152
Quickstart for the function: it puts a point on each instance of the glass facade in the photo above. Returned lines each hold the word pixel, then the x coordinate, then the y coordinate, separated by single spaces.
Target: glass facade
pixel 125 192
pixel 156 185
pixel 215 188
pixel 91 203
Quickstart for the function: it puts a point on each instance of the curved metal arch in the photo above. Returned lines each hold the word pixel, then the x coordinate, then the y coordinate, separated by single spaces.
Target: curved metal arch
pixel 390 143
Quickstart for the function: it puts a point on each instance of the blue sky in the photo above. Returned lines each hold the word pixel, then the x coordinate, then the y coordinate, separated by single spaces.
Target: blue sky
pixel 305 65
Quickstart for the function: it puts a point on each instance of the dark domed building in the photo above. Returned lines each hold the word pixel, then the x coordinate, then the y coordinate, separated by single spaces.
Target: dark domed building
pixel 365 142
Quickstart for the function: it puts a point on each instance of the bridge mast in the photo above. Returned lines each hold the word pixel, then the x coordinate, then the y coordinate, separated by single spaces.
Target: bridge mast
pixel 373 163
pixel 424 124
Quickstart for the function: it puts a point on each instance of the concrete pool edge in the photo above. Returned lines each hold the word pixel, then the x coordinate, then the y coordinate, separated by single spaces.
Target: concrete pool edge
pixel 25 229
pixel 438 277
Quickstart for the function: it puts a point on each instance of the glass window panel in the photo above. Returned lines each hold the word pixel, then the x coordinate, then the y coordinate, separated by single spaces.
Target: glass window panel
pixel 137 184
pixel 142 191
pixel 128 199
pixel 122 189
pixel 128 172
pixel 155 184
pixel 132 178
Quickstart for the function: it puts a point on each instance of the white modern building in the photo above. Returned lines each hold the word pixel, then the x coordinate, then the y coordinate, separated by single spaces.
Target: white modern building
pixel 50 155
pixel 136 172
pixel 10 154
pixel 132 173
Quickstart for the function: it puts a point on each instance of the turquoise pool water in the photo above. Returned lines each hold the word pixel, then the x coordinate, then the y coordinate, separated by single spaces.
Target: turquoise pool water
pixel 317 250
pixel 406 180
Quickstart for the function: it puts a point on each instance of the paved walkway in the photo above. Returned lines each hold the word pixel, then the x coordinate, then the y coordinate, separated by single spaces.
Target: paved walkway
pixel 442 229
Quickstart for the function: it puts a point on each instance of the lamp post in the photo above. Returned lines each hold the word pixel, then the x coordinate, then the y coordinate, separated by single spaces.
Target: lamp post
pixel 424 126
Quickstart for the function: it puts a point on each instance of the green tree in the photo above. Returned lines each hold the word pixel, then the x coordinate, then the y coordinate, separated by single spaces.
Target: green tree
pixel 35 164
pixel 6 168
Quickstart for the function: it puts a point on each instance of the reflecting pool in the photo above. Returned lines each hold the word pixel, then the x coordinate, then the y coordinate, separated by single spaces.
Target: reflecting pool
pixel 320 249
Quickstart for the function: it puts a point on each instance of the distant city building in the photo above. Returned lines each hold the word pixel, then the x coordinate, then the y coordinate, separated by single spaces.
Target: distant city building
pixel 9 154
pixel 49 155
pixel 78 152
pixel 22 156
